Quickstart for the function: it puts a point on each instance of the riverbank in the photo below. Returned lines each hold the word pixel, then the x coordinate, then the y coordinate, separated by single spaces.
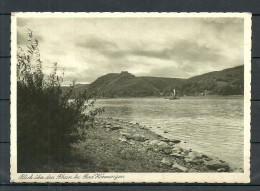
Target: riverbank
pixel 114 145
pixel 168 96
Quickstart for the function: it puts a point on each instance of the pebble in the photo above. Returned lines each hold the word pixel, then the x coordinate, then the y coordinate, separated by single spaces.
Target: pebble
pixel 123 140
pixel 221 170
pixel 115 127
pixel 166 161
pixel 177 155
pixel 170 141
pixel 127 135
pixel 135 137
pixel 215 165
pixel 138 137
pixel 181 168
pixel 154 142
pixel 167 151
pixel 162 145
pixel 175 141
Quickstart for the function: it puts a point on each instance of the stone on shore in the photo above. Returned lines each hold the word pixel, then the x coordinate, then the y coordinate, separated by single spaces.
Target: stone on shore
pixel 154 142
pixel 196 155
pixel 162 145
pixel 159 145
pixel 123 140
pixel 195 158
pixel 166 161
pixel 138 137
pixel 179 167
pixel 175 141
pixel 221 170
pixel 135 137
pixel 170 141
pixel 115 127
pixel 217 165
pixel 177 149
pixel 144 127
pixel 177 155
pixel 126 135
pixel 167 151
pixel 195 161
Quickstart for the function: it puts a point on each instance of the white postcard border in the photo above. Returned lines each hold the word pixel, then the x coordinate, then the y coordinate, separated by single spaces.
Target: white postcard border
pixel 132 177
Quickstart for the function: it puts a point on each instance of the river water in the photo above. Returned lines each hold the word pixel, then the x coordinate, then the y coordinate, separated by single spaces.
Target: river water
pixel 211 125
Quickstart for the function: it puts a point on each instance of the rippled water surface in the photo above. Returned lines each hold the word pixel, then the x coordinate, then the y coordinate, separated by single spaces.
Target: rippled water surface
pixel 213 125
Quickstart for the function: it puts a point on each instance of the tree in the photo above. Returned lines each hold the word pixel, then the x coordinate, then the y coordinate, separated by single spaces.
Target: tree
pixel 47 121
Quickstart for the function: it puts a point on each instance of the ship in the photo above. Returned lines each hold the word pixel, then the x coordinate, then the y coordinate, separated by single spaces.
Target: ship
pixel 173 95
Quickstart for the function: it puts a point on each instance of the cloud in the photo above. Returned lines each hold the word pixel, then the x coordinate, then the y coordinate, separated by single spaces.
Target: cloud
pixel 167 47
pixel 180 50
pixel 96 43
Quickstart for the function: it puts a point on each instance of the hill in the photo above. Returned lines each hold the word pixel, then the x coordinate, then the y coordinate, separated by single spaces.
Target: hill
pixel 123 85
pixel 226 82
pixel 163 84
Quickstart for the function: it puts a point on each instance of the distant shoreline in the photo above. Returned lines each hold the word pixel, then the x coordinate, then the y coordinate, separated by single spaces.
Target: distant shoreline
pixel 167 97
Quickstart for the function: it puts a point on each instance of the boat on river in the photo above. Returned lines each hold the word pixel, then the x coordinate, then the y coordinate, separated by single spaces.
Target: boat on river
pixel 173 95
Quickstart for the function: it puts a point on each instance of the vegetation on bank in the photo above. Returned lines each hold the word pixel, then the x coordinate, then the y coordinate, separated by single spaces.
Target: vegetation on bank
pixel 47 122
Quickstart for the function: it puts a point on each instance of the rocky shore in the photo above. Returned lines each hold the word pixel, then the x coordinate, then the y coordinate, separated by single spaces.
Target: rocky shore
pixel 114 145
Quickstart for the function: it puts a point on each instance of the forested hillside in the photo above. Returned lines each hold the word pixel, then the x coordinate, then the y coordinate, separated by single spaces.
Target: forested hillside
pixel 226 82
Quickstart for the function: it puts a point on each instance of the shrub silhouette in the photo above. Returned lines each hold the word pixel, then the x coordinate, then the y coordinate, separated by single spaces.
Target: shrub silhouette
pixel 47 121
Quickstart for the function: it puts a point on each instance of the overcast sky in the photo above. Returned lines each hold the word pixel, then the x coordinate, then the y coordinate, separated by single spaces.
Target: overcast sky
pixel 165 47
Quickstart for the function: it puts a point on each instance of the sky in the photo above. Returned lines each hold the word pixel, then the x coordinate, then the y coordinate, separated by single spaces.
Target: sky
pixel 88 48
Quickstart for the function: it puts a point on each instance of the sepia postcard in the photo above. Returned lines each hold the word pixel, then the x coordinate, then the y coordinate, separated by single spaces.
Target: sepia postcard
pixel 130 97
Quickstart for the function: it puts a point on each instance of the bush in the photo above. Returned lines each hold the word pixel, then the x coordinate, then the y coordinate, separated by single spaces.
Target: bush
pixel 47 121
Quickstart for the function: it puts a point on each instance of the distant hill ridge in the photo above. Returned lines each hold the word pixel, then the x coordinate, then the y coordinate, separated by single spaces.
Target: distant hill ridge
pixel 225 82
